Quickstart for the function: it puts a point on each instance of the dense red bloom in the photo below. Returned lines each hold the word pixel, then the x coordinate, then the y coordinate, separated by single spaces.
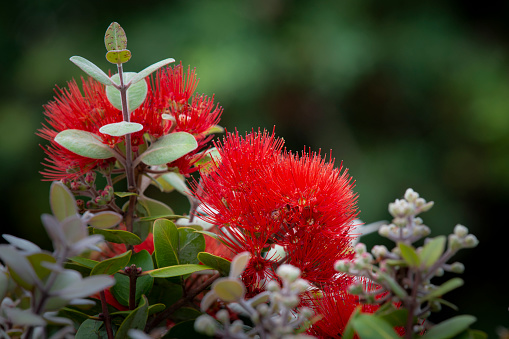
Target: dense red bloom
pixel 169 92
pixel 259 195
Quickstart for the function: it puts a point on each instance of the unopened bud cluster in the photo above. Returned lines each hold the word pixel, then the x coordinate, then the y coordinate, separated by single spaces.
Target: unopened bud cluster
pixel 276 319
pixel 462 239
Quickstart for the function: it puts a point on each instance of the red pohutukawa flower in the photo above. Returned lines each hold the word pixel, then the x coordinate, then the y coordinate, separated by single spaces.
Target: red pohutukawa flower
pixel 259 195
pixel 169 92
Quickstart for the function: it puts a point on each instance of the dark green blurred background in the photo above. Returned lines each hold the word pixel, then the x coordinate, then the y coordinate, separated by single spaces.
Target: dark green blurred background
pixel 406 93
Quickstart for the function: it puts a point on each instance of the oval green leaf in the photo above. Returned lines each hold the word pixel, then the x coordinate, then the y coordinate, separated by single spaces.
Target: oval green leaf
pixel 190 244
pixel 118 236
pixel 218 263
pixel 118 129
pixel 136 93
pixel 409 255
pixel 177 270
pixel 136 320
pixel 371 327
pixel 112 265
pixel 166 243
pixel 150 69
pixel 105 219
pixel 118 56
pixel 168 148
pixel 229 290
pixel 450 327
pixel 432 251
pixel 115 37
pixel 444 288
pixel 62 201
pixel 84 143
pixel 19 267
pixel 91 69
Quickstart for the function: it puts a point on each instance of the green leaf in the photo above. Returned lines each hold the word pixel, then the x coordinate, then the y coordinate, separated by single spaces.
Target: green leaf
pixel 394 286
pixel 166 292
pixel 152 309
pixel 91 69
pixel 229 289
pixel 4 284
pixel 370 326
pixel 136 93
pixel 186 313
pixel 124 194
pixel 118 56
pixel 176 181
pixel 136 320
pixel 19 267
pixel 450 327
pixel 91 329
pixel 166 243
pixel 444 288
pixel 150 69
pixel 62 201
pixel 190 244
pixel 112 265
pixel 143 284
pixel 177 270
pixel 84 143
pixel 155 207
pixel 105 219
pixel 118 129
pixel 349 331
pixel 432 251
pixel 36 259
pixel 115 37
pixel 395 317
pixel 409 255
pixel 84 261
pixel 168 148
pixel 239 264
pixel 118 236
pixel 84 287
pixel 218 263
pixel 165 216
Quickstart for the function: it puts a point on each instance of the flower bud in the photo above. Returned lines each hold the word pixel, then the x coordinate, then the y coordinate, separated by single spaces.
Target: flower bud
pixel 273 286
pixel 205 324
pixel 454 242
pixel 237 327
pixel 439 272
pixel 291 301
pixel 360 248
pixel 263 309
pixel 342 265
pixel 471 241
pixel 306 312
pixel 384 231
pixel 288 272
pixel 460 231
pixel 223 316
pixel 411 195
pixel 426 207
pixel 457 267
pixel 379 251
pixel 300 285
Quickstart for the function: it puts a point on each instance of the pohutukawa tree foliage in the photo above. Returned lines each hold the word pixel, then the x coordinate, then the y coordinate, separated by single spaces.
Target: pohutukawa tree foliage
pixel 267 249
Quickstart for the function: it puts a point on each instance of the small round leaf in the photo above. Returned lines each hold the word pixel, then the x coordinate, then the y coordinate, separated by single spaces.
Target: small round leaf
pixel 118 57
pixel 84 143
pixel 169 148
pixel 105 219
pixel 136 93
pixel 228 289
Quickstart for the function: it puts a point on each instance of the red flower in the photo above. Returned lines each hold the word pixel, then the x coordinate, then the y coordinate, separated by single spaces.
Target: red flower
pixel 259 195
pixel 170 93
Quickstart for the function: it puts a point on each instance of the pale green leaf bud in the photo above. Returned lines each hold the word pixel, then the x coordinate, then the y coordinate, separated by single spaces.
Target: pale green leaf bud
pixel 457 267
pixel 300 285
pixel 273 286
pixel 420 202
pixel 418 221
pixel 471 241
pixel 461 231
pixel 379 251
pixel 411 195
pixel 439 272
pixel 223 316
pixel 384 231
pixel 263 309
pixel 454 242
pixel 360 248
pixel 288 272
pixel 291 301
pixel 237 327
pixel 205 324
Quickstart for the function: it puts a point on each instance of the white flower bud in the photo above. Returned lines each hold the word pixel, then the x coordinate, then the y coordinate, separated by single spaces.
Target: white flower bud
pixel 454 242
pixel 461 231
pixel 223 316
pixel 273 286
pixel 300 285
pixel 471 241
pixel 457 267
pixel 426 207
pixel 342 265
pixel 420 202
pixel 360 248
pixel 263 309
pixel 290 301
pixel 288 272
pixel 418 221
pixel 237 327
pixel 411 195
pixel 379 251
pixel 306 312
pixel 205 324
pixel 384 231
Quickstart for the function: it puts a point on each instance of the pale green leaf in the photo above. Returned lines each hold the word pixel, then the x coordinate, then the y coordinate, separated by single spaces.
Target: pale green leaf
pixel 62 201
pixel 444 288
pixel 150 69
pixel 220 264
pixel 105 219
pixel 370 326
pixel 450 327
pixel 84 143
pixel 228 289
pixel 118 56
pixel 177 270
pixel 136 93
pixel 115 37
pixel 118 129
pixel 409 255
pixel 91 69
pixel 432 251
pixel 169 148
